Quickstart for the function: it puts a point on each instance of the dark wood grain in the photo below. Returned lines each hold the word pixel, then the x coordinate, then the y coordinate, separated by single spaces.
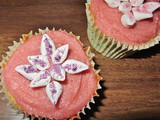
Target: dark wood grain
pixel 131 86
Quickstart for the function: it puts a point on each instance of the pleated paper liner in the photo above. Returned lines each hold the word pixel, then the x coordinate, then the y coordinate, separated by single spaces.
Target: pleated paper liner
pixel 10 98
pixel 109 47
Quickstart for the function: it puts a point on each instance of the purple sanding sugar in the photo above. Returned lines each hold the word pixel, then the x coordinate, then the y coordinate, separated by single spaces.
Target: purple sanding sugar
pixel 56 69
pixel 68 66
pixel 30 69
pixel 61 51
pixel 39 62
pixel 57 57
pixel 48 47
pixel 72 67
pixel 54 91
pixel 43 76
pixel 52 88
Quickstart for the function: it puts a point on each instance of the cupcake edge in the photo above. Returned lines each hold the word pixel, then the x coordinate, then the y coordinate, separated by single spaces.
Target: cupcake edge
pixel 108 46
pixel 10 99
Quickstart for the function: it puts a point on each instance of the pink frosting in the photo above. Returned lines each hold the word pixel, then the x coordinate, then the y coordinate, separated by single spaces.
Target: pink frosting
pixel 108 20
pixel 77 89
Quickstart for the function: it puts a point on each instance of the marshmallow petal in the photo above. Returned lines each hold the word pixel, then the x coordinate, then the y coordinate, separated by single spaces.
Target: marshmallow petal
pixel 136 2
pixel 74 66
pixel 60 54
pixel 54 90
pixel 113 3
pixel 140 14
pixel 28 71
pixel 128 19
pixel 125 7
pixel 58 73
pixel 150 6
pixel 43 79
pixel 39 61
pixel 47 46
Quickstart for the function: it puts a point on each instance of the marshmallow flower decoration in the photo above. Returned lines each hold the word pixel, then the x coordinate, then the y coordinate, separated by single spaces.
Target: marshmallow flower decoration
pixel 41 73
pixel 134 10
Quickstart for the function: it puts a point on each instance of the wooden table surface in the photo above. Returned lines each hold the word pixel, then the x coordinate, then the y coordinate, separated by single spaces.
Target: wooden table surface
pixel 131 86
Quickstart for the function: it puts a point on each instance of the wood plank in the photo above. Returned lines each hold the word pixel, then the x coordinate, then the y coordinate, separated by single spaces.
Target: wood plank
pixel 131 86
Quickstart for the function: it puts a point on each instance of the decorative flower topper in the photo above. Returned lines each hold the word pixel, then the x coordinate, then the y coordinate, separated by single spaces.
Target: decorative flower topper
pixel 134 10
pixel 41 73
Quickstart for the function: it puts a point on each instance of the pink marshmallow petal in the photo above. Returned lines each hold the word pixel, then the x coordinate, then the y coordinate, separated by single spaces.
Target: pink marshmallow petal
pixel 140 14
pixel 57 72
pixel 43 79
pixel 47 46
pixel 113 3
pixel 125 7
pixel 150 6
pixel 136 2
pixel 128 20
pixel 73 66
pixel 60 54
pixel 53 91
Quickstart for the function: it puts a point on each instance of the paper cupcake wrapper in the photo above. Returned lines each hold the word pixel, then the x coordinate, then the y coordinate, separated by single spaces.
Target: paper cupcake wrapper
pixel 9 97
pixel 108 46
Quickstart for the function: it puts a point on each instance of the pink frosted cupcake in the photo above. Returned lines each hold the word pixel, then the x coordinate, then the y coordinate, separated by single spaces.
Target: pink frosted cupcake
pixel 118 28
pixel 49 75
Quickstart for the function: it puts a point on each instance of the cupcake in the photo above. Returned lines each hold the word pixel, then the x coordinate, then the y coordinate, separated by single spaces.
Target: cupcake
pixel 118 28
pixel 49 75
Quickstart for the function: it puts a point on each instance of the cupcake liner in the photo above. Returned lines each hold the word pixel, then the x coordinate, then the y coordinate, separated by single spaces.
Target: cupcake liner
pixel 108 46
pixel 9 97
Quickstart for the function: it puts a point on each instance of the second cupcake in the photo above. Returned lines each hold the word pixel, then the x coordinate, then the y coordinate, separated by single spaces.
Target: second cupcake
pixel 117 29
